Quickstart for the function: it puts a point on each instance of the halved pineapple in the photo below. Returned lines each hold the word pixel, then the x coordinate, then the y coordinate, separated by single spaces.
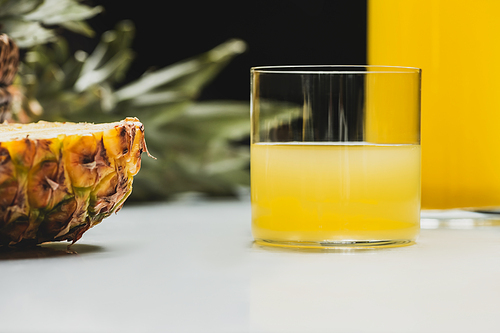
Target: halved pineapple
pixel 57 180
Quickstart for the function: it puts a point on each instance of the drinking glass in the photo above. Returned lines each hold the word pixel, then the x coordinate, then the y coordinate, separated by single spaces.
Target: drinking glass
pixel 335 156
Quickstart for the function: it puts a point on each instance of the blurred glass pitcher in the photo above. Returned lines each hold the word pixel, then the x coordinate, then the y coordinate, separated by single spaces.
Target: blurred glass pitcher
pixel 455 42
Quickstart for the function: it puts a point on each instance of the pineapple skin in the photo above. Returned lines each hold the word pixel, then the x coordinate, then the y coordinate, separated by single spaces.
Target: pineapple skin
pixel 56 189
pixel 9 63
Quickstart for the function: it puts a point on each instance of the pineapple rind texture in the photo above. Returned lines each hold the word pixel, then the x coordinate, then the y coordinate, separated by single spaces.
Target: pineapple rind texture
pixel 57 180
pixel 9 62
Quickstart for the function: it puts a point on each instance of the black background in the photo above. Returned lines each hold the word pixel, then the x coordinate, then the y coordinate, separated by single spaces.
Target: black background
pixel 277 32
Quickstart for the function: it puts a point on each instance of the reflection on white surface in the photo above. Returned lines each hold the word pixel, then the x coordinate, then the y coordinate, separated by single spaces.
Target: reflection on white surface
pixel 458 219
pixel 193 267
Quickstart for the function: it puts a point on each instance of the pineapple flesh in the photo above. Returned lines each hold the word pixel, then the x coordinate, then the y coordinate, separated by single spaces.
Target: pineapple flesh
pixel 57 180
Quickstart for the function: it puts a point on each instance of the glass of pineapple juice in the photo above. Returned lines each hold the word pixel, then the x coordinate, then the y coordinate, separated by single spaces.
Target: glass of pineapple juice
pixel 335 156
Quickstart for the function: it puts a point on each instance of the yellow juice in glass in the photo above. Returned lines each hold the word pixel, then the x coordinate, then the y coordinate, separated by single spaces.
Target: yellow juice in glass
pixel 457 46
pixel 326 192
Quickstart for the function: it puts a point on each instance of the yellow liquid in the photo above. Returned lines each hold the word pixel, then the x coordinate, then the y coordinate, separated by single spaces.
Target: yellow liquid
pixel 332 193
pixel 455 42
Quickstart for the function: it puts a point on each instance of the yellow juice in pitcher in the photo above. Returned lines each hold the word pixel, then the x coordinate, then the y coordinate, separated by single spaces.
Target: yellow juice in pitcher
pixel 455 42
pixel 325 192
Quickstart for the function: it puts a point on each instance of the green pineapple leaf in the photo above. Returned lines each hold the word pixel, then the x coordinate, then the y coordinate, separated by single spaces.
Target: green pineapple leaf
pixel 52 12
pixel 18 7
pixel 26 21
pixel 79 27
pixel 26 33
pixel 188 76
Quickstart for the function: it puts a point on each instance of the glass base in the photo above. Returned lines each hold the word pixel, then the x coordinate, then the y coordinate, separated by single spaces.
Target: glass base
pixel 458 219
pixel 347 244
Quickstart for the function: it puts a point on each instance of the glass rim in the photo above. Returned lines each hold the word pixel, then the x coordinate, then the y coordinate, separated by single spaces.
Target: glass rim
pixel 334 69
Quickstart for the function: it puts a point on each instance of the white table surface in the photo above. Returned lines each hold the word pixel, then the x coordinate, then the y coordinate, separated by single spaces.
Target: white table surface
pixel 192 267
